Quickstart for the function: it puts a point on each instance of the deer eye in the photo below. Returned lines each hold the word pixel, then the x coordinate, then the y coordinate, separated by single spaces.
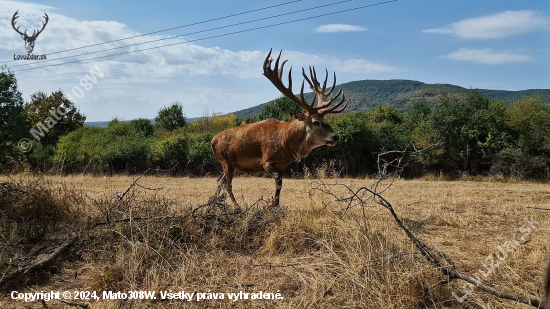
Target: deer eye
pixel 317 123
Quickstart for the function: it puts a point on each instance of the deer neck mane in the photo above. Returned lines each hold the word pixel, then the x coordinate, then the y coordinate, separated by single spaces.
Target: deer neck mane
pixel 298 139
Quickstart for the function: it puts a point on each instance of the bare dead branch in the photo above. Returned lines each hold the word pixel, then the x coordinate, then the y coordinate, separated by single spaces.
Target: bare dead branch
pixel 276 265
pixel 537 208
pixel 133 219
pixel 81 305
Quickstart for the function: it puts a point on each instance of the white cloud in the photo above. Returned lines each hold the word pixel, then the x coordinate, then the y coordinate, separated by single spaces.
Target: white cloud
pixel 338 28
pixel 496 26
pixel 353 65
pixel 487 56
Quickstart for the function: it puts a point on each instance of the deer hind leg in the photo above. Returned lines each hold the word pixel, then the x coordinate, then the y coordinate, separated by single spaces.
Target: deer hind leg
pixel 278 177
pixel 229 171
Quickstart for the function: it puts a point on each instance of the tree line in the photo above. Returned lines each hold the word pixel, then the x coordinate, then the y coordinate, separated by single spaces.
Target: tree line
pixel 474 135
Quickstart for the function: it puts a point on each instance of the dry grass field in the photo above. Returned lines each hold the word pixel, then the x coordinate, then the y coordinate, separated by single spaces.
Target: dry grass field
pixel 312 251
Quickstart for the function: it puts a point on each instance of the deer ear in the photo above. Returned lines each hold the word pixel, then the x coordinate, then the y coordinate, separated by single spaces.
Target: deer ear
pixel 301 116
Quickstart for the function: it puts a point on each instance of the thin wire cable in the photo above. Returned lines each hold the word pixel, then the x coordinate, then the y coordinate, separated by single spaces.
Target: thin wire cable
pixel 190 33
pixel 173 28
pixel 215 36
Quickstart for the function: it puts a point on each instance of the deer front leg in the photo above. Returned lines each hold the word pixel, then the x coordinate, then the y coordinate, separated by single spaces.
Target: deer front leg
pixel 278 177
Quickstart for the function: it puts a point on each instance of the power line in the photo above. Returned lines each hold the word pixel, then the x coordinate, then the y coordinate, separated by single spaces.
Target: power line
pixel 190 33
pixel 173 28
pixel 215 36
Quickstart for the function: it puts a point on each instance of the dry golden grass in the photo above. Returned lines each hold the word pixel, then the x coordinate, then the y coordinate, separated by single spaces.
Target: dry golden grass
pixel 313 258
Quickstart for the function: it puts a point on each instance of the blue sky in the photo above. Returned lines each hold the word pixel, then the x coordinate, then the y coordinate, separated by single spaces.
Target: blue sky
pixel 474 44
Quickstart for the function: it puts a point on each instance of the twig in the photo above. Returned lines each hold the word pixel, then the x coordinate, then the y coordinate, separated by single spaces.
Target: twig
pixel 133 219
pixel 274 266
pixel 81 305
pixel 538 208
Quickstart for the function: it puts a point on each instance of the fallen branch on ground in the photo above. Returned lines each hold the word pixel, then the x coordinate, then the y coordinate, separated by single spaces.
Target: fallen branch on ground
pixel 537 208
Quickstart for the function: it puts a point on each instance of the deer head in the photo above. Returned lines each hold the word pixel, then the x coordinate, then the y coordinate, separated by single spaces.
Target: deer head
pixel 317 126
pixel 29 40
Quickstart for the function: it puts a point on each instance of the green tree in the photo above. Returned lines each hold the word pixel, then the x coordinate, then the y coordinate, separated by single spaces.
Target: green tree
pixel 283 109
pixel 529 119
pixel 171 117
pixel 214 124
pixel 52 116
pixel 142 125
pixel 385 113
pixel 472 131
pixel 251 119
pixel 386 124
pixel 13 122
pixel 116 148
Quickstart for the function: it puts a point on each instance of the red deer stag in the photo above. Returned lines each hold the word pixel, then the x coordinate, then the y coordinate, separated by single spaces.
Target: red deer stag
pixel 273 145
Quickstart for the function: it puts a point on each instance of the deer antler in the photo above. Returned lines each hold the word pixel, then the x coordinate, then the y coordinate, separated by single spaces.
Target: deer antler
pixel 47 18
pixel 322 108
pixel 275 76
pixel 34 33
pixel 13 24
pixel 322 103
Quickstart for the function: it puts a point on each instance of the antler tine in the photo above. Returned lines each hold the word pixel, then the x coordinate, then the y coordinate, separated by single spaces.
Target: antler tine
pixel 333 84
pixel 333 110
pixel 302 95
pixel 289 77
pixel 267 61
pixel 325 82
pixel 276 67
pixel 306 78
pixel 314 78
pixel 310 86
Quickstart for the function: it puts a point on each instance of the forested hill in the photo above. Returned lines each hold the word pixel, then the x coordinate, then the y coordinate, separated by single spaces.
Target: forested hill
pixel 365 94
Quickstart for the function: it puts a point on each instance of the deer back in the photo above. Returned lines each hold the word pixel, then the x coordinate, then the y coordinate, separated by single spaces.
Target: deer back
pixel 249 146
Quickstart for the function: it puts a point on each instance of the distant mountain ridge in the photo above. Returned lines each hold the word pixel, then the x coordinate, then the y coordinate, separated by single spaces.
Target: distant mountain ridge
pixel 104 124
pixel 364 95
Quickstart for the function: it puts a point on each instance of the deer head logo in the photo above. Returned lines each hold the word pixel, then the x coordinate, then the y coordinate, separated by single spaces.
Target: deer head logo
pixel 29 40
